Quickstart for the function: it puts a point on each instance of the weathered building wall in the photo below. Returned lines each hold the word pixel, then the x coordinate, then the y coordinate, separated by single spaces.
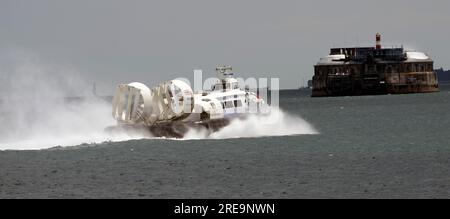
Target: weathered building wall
pixel 379 78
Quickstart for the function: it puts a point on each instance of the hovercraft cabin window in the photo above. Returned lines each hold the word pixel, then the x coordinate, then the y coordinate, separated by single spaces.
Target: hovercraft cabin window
pixel 231 104
pixel 227 104
pixel 237 103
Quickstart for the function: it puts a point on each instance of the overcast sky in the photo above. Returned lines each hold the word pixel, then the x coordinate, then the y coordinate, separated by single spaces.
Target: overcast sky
pixel 114 41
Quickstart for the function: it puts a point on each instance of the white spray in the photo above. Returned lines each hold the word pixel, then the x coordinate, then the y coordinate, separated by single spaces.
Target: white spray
pixel 277 123
pixel 44 106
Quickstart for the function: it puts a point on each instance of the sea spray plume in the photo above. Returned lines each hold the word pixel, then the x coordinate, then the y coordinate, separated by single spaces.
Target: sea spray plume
pixel 45 106
pixel 276 123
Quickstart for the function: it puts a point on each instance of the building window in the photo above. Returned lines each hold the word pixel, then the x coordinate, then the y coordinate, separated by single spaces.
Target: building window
pixel 389 69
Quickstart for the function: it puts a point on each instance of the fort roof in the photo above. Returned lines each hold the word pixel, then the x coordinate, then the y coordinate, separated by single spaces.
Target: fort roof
pixel 359 55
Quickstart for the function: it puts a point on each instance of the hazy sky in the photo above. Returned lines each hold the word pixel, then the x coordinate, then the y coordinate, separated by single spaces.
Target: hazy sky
pixel 114 41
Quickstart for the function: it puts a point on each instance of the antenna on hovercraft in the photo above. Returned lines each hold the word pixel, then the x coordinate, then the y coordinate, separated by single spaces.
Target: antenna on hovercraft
pixel 224 71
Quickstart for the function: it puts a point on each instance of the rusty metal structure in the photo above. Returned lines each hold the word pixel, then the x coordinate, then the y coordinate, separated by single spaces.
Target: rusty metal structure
pixel 373 70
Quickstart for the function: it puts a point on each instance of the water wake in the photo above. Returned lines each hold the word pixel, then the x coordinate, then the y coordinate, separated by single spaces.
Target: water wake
pixel 277 123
